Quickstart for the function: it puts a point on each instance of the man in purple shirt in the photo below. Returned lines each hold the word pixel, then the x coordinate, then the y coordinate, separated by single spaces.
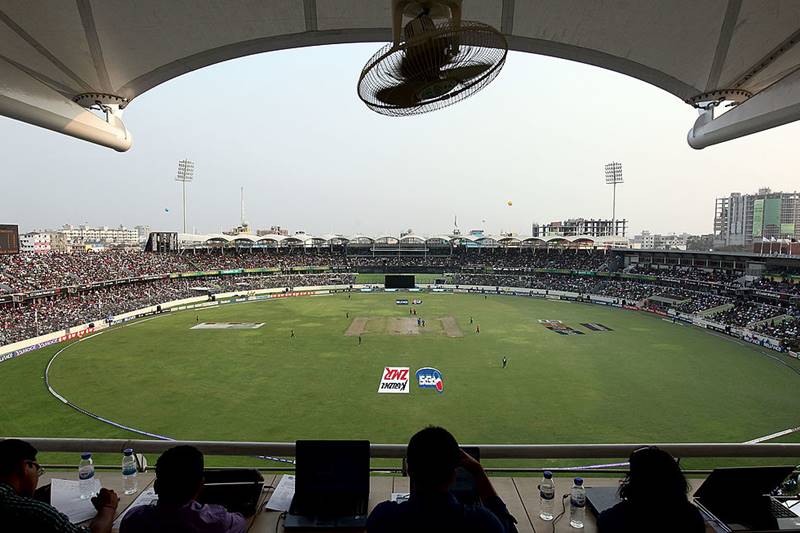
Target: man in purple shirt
pixel 179 480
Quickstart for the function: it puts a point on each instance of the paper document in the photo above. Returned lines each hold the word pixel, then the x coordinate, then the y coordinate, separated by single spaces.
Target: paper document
pixel 400 497
pixel 281 499
pixel 65 495
pixel 147 497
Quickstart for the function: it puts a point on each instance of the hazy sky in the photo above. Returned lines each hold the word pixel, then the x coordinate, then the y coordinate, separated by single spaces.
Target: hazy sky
pixel 289 127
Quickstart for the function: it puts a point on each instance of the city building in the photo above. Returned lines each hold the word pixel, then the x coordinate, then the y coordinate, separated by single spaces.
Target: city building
pixel 143 233
pixel 83 234
pixel 44 241
pixel 574 227
pixel 742 220
pixel 273 230
pixel 656 241
pixel 34 243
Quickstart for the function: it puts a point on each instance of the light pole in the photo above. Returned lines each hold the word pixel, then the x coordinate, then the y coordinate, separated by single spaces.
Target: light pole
pixel 614 176
pixel 185 174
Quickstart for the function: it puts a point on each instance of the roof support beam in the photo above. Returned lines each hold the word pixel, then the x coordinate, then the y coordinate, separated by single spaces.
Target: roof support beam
pixel 310 12
pixel 27 99
pixel 507 17
pixel 777 105
pixel 89 28
pixel 723 43
pixel 39 47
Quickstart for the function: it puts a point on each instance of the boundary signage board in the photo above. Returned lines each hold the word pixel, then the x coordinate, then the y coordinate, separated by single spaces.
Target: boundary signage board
pixel 394 380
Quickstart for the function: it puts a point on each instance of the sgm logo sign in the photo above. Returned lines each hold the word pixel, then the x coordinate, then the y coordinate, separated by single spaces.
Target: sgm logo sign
pixel 430 378
pixel 394 380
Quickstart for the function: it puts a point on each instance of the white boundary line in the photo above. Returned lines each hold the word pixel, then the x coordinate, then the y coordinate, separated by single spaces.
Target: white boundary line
pixel 773 435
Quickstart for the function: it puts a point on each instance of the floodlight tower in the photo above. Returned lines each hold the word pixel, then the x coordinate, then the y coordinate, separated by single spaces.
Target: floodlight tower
pixel 185 174
pixel 614 176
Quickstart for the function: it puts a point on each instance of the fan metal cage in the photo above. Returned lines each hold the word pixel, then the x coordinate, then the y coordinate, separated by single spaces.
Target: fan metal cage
pixel 470 47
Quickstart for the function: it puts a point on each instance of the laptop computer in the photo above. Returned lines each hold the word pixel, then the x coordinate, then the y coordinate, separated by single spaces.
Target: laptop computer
pixel 739 499
pixel 598 499
pixel 331 485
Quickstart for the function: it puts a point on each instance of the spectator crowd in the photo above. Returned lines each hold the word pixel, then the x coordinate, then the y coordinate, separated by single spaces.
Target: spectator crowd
pixel 126 273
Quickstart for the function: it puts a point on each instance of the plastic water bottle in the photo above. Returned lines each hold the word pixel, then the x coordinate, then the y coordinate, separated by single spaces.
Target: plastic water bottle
pixel 547 494
pixel 86 481
pixel 577 504
pixel 129 482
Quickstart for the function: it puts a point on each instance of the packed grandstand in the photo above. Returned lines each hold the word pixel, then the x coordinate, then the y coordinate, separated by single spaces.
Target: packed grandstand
pixel 44 293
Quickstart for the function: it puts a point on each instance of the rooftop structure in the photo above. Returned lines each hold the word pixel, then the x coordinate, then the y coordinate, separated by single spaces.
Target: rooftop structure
pixel 58 63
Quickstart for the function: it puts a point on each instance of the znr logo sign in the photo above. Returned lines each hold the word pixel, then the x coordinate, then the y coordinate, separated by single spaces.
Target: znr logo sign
pixel 394 380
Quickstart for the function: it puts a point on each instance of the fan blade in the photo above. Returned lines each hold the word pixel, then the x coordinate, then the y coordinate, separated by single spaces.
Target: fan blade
pixel 464 73
pixel 403 95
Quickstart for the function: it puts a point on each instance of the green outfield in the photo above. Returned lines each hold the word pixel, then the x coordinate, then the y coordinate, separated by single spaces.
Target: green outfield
pixel 645 380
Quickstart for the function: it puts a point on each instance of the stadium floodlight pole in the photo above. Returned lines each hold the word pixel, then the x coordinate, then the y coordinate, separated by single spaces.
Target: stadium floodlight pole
pixel 185 175
pixel 613 177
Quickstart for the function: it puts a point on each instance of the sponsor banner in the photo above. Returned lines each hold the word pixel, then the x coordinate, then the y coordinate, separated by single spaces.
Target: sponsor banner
pixel 401 302
pixel 23 351
pixel 394 380
pixel 390 290
pixel 69 336
pixel 414 290
pixel 430 378
pixel 76 334
pixel 231 271
pixel 438 290
pixel 794 354
pixel 416 302
pixel 366 289
pixel 197 274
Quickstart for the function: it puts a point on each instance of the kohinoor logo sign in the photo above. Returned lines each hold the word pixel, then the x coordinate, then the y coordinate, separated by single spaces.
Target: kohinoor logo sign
pixel 394 380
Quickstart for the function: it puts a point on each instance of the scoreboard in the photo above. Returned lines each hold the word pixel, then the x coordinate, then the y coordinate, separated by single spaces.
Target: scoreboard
pixel 9 239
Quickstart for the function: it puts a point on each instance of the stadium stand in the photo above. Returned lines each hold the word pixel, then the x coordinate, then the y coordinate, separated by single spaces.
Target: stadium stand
pixel 41 293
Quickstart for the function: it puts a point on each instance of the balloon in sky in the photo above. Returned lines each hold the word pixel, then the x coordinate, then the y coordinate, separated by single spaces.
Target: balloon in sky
pixel 509 203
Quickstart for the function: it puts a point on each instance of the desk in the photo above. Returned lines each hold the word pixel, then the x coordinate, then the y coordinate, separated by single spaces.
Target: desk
pixel 109 480
pixel 520 494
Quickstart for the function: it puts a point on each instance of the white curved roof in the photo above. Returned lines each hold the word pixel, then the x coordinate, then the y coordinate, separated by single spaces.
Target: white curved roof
pixel 52 52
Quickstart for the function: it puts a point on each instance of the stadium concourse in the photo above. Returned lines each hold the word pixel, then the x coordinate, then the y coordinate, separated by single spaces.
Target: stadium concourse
pixel 44 293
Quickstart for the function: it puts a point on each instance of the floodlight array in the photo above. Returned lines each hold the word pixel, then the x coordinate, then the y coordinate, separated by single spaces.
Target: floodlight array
pixel 613 173
pixel 185 170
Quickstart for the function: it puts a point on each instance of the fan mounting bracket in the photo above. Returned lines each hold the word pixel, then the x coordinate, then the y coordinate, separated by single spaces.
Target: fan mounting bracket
pixel 435 9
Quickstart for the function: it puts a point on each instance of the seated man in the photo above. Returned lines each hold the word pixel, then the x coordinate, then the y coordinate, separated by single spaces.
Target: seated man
pixel 179 480
pixel 20 512
pixel 433 455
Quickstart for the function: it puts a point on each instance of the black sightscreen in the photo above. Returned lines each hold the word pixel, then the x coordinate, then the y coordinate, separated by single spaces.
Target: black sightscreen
pixel 399 282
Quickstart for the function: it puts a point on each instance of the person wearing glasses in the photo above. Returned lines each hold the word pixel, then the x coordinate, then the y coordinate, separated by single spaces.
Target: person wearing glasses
pixel 653 498
pixel 21 512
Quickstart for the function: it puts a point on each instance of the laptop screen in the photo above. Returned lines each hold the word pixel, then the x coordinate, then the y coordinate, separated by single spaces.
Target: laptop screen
pixel 741 483
pixel 332 468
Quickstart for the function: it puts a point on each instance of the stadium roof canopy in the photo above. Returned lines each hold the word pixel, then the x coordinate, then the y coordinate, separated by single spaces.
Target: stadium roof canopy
pixel 59 58
pixel 489 241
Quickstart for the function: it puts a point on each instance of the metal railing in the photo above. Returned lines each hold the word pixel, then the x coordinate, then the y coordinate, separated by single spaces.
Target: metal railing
pixel 397 451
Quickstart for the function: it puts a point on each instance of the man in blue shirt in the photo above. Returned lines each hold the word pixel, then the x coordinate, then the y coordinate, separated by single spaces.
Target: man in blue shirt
pixel 433 455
